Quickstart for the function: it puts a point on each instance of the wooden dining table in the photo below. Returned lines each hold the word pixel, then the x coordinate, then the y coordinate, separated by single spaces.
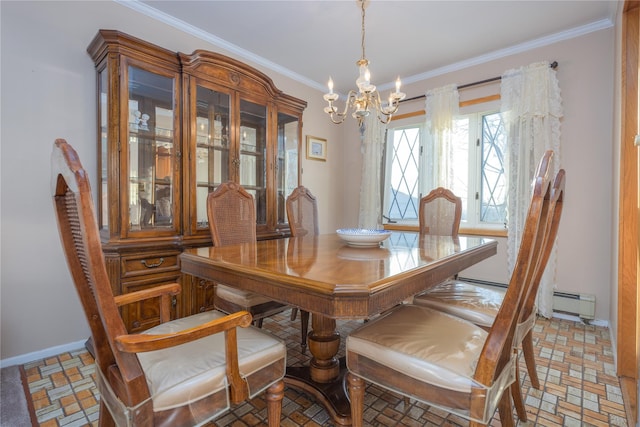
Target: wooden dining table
pixel 332 280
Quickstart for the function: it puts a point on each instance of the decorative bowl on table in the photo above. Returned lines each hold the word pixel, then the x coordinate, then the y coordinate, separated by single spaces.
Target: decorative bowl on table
pixel 363 238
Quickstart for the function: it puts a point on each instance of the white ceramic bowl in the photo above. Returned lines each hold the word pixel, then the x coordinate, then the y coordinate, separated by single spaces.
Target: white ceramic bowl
pixel 363 238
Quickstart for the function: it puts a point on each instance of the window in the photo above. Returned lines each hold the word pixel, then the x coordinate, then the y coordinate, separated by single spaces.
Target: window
pixel 477 170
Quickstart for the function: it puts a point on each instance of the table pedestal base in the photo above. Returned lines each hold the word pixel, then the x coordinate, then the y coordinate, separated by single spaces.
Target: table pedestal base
pixel 332 395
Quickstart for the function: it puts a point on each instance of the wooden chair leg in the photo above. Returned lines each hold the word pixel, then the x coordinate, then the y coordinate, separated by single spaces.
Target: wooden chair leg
pixel 516 395
pixel 304 329
pixel 356 387
pixel 530 360
pixel 274 396
pixel 259 323
pixel 294 313
pixel 105 418
pixel 505 410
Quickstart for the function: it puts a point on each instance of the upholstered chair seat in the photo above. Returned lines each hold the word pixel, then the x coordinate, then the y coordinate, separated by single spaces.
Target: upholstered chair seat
pixel 194 374
pixel 434 348
pixel 474 303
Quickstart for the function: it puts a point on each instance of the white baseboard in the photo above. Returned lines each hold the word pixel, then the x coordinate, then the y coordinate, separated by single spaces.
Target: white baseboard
pixel 41 354
pixel 594 322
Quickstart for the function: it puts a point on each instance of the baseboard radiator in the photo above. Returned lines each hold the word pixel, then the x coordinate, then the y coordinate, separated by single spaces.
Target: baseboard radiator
pixel 581 305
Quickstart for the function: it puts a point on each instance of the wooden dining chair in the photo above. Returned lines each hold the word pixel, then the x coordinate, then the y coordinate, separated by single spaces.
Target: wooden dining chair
pixel 232 220
pixel 440 212
pixel 302 213
pixel 443 360
pixel 183 372
pixel 481 305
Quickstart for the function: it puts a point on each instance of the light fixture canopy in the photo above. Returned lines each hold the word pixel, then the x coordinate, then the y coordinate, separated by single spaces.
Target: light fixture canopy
pixel 366 99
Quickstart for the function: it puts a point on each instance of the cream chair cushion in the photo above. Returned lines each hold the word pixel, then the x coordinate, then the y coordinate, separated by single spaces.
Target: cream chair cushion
pixel 185 373
pixel 429 345
pixel 471 302
pixel 240 297
pixel 432 347
pixel 466 300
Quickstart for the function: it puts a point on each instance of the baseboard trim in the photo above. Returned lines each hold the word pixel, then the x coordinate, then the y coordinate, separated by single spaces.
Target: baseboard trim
pixel 41 354
pixel 594 322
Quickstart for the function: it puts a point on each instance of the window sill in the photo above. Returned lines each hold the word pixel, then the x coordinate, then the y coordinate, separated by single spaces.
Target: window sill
pixel 487 232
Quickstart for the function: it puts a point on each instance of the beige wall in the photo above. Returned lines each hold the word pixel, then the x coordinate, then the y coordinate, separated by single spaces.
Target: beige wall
pixel 48 91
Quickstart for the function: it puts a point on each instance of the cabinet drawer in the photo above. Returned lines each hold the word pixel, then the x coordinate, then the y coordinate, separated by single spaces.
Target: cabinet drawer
pixel 149 263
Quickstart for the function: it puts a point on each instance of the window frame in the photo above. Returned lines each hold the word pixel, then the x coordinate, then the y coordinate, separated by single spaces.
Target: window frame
pixel 467 226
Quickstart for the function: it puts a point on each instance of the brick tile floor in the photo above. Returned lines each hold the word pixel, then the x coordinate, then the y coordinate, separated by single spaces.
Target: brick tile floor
pixel 574 362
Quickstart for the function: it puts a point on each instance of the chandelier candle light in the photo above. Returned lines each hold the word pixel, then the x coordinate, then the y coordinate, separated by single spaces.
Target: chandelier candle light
pixel 366 98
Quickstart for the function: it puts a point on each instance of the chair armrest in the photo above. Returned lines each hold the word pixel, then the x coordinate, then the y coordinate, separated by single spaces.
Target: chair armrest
pixel 136 343
pixel 156 291
pixel 164 292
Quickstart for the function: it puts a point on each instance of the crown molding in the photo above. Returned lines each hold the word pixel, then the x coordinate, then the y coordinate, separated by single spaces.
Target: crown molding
pixel 151 12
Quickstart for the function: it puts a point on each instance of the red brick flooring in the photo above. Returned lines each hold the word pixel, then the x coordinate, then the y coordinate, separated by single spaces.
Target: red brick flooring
pixel 574 361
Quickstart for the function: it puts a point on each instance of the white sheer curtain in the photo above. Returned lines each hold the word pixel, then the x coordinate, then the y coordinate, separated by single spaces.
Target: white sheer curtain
pixel 441 106
pixel 532 108
pixel 372 147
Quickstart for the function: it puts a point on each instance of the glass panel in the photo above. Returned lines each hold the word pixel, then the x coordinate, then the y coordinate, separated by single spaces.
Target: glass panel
pixel 494 181
pixel 405 154
pixel 212 146
pixel 151 150
pixel 253 162
pixel 103 198
pixel 286 162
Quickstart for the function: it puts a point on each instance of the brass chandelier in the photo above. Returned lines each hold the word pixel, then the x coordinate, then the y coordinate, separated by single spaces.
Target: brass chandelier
pixel 366 99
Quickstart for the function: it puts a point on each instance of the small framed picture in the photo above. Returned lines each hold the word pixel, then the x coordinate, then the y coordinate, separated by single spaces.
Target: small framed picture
pixel 316 148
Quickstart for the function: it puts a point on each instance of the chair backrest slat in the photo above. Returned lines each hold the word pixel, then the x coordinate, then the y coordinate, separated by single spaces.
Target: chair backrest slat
pixel 550 232
pixel 440 212
pixel 232 215
pixel 498 348
pixel 302 212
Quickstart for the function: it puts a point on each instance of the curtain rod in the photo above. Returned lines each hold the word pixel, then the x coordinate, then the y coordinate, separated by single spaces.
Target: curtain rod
pixel 553 65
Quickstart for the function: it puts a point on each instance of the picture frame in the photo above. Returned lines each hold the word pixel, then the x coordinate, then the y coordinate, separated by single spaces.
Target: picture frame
pixel 316 148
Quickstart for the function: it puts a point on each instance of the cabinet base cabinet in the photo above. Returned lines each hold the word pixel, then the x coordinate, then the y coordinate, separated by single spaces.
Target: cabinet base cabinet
pixel 198 294
pixel 146 314
pixel 131 271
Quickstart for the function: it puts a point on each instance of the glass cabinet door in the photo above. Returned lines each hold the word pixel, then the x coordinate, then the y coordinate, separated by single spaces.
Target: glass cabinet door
pixel 252 163
pixel 151 150
pixel 212 147
pixel 286 162
pixel 103 167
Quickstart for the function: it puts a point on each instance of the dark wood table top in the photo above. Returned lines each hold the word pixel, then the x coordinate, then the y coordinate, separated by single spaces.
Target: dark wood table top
pixel 322 275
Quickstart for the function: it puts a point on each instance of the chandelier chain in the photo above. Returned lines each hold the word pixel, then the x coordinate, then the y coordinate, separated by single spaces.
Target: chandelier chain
pixel 362 2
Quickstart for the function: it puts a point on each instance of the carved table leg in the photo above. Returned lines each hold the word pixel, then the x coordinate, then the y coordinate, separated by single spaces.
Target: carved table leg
pixel 324 378
pixel 324 343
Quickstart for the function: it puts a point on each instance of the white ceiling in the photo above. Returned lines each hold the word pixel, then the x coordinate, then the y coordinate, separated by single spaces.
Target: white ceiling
pixel 310 40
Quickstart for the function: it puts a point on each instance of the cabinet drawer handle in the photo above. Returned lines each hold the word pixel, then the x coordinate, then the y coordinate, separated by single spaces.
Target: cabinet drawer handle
pixel 157 264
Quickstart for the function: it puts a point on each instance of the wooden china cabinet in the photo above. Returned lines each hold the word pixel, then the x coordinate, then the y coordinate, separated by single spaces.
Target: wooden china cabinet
pixel 171 127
